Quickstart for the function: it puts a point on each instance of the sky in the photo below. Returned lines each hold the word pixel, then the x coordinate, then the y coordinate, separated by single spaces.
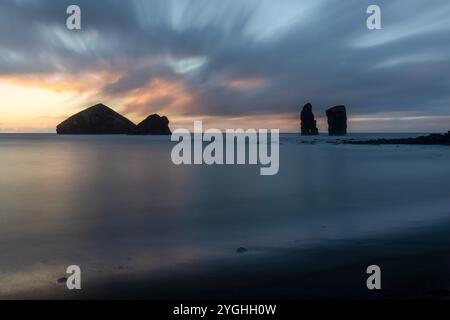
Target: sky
pixel 231 64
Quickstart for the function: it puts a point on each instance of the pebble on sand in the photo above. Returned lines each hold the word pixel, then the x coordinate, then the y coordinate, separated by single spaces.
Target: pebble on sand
pixel 62 280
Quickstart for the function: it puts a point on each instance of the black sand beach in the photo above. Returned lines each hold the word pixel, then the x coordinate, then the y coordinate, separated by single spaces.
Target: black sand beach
pixel 414 266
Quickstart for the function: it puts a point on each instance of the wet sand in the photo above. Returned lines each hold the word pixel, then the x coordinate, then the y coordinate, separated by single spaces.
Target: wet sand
pixel 415 266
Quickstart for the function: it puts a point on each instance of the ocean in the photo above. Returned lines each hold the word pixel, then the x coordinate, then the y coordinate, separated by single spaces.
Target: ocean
pixel 117 205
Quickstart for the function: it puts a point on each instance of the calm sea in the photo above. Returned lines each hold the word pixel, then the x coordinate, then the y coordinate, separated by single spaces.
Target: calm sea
pixel 116 204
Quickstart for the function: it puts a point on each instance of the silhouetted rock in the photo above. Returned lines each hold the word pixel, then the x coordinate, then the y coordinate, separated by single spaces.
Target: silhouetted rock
pixel 308 124
pixel 98 119
pixel 337 121
pixel 432 139
pixel 153 125
pixel 62 280
pixel 241 250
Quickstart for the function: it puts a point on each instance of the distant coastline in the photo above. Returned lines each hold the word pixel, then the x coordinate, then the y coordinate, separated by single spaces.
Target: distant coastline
pixel 432 139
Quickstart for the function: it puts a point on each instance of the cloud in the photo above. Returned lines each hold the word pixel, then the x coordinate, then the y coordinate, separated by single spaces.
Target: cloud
pixel 239 58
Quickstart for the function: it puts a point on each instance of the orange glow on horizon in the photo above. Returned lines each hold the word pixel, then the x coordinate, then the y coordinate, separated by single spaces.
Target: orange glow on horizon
pixel 157 96
pixel 37 103
pixel 246 84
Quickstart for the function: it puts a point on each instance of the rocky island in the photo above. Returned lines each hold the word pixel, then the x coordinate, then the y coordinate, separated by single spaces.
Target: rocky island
pixel 100 119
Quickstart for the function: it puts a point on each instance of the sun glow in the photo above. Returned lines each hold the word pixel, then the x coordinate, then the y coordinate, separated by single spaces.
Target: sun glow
pixel 37 103
pixel 26 108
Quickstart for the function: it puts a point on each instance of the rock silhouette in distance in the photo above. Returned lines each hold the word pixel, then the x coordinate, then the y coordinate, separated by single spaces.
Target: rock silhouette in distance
pixel 153 125
pixel 307 122
pixel 432 139
pixel 337 121
pixel 98 119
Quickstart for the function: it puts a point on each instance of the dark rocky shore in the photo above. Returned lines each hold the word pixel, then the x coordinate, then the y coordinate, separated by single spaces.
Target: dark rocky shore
pixel 432 139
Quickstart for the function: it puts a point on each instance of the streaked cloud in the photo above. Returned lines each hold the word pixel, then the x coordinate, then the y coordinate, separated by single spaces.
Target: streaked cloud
pixel 226 60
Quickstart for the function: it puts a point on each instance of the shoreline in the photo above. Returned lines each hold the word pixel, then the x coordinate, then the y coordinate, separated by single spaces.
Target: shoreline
pixel 335 271
pixel 432 139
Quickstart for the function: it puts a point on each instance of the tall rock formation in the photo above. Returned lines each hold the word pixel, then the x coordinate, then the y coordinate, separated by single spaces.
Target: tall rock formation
pixel 153 125
pixel 337 121
pixel 98 119
pixel 308 123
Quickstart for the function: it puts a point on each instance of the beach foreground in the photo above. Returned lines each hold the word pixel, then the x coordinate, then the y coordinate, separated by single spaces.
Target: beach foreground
pixel 414 267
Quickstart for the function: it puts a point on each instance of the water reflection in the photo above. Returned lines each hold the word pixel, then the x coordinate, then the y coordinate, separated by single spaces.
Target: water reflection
pixel 118 204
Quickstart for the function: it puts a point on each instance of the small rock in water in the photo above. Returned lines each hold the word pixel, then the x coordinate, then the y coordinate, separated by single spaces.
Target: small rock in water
pixel 241 250
pixel 123 267
pixel 62 280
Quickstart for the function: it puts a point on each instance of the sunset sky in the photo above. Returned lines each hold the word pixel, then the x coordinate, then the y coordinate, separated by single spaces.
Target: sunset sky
pixel 233 63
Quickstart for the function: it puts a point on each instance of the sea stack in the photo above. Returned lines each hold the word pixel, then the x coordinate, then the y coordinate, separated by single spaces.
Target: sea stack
pixel 308 123
pixel 98 119
pixel 153 125
pixel 337 121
